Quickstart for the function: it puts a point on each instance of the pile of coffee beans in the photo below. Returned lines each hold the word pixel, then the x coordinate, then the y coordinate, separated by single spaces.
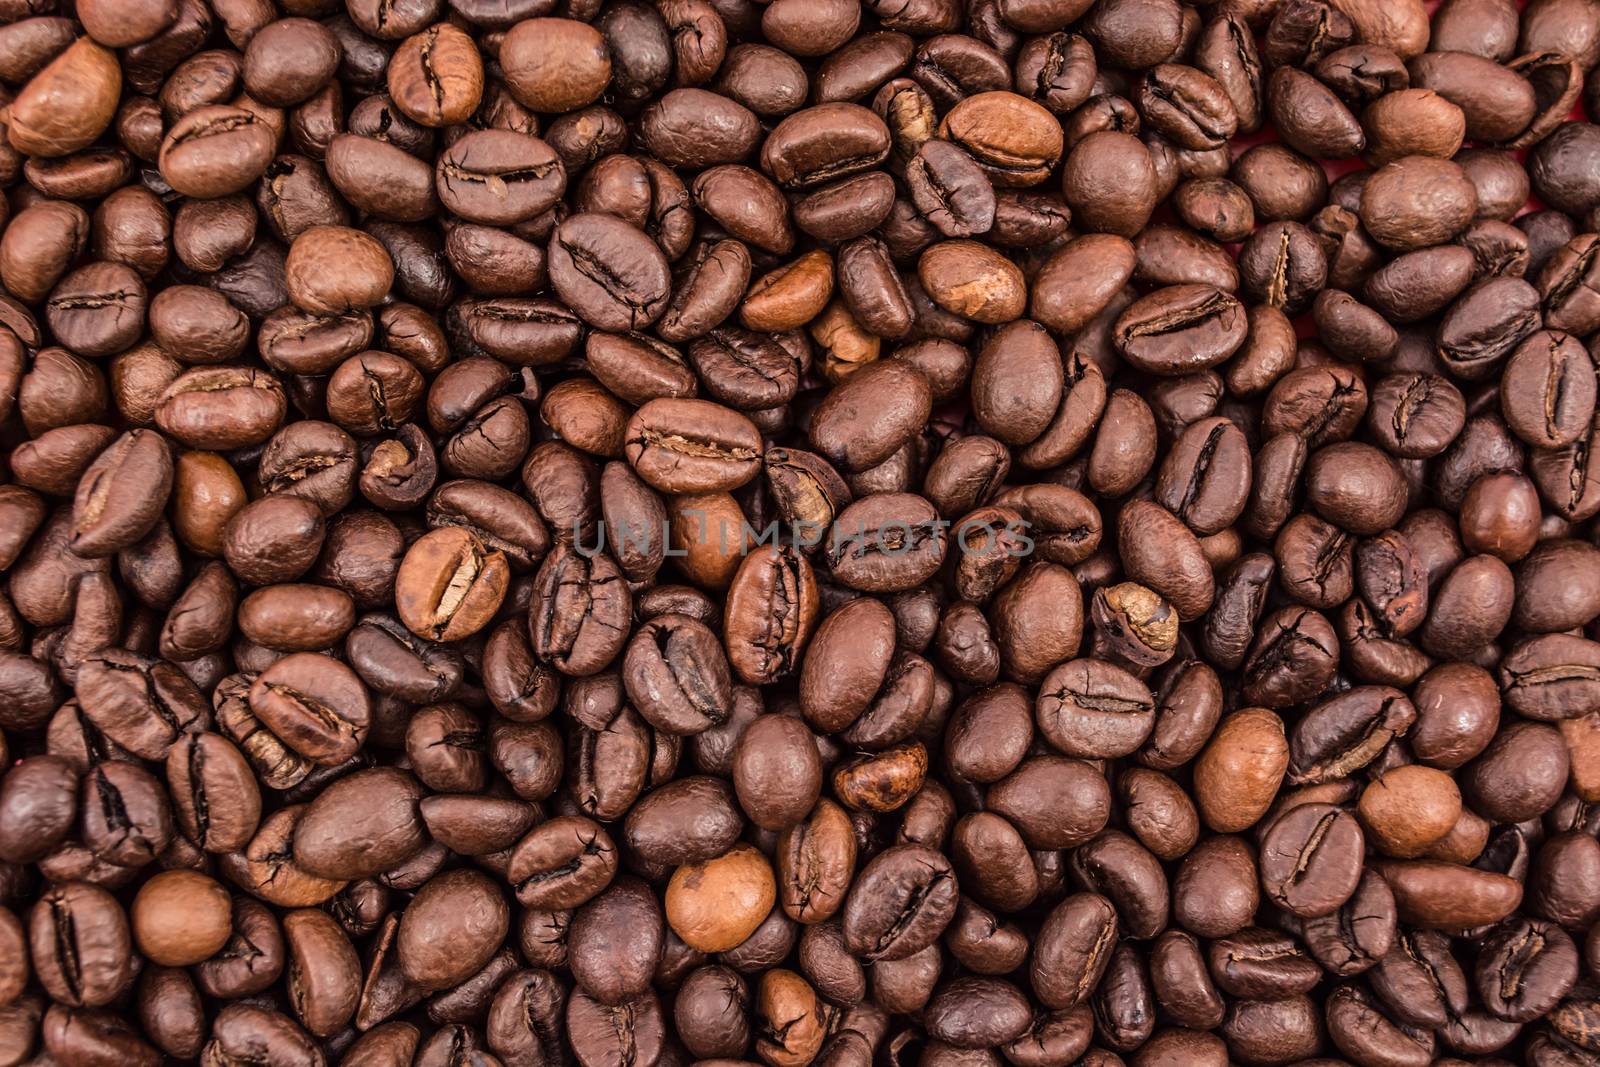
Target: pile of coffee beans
pixel 915 533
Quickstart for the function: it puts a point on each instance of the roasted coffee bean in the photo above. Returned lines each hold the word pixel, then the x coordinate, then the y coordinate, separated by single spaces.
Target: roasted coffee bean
pixel 499 177
pixel 1205 479
pixel 450 584
pixel 901 902
pixel 315 704
pixel 1309 859
pixel 692 446
pixel 379 804
pixel 215 797
pixel 181 917
pixel 562 863
pixel 816 861
pixel 771 611
pixel 1090 708
pixel 882 781
pixel 873 413
pixel 142 704
pixel 81 945
pixel 120 495
pixel 1347 732
pixel 677 675
pixel 886 542
pixel 777 771
pixel 215 151
pixel 578 611
pixel 717 904
pixel 38 805
pixel 222 407
pixel 1545 394
pixel 1181 329
pixel 1073 950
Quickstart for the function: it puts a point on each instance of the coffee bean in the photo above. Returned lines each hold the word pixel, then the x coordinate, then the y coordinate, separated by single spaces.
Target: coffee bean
pixel 436 76
pixel 1109 181
pixel 460 909
pixel 315 704
pixel 1089 708
pixel 289 61
pixel 771 612
pixel 716 905
pixel 450 584
pixel 145 705
pixel 215 797
pixel 902 900
pixel 1205 479
pixel 96 310
pixel 1309 859
pixel 215 151
pixel 181 917
pixel 1552 407
pixel 882 781
pixel 690 446
pixel 81 945
pixel 1432 894
pixel 66 105
pixel 886 542
pixel 973 281
pixel 120 495
pixel 1073 950
pixel 1163 554
pixel 1013 139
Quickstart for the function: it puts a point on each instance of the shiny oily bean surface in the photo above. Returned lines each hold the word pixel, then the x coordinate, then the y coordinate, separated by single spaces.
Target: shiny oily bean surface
pixel 927 533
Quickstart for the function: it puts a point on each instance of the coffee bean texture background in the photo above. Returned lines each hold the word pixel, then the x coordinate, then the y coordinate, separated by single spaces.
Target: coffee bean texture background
pixel 799 533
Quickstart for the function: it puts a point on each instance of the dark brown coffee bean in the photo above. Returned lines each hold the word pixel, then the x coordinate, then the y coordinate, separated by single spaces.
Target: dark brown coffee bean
pixel 315 704
pixel 886 542
pixel 214 151
pixel 214 794
pixel 692 446
pixel 1311 859
pixel 872 415
pixel 800 153
pixel 902 900
pixel 1546 395
pixel 577 615
pixel 499 177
